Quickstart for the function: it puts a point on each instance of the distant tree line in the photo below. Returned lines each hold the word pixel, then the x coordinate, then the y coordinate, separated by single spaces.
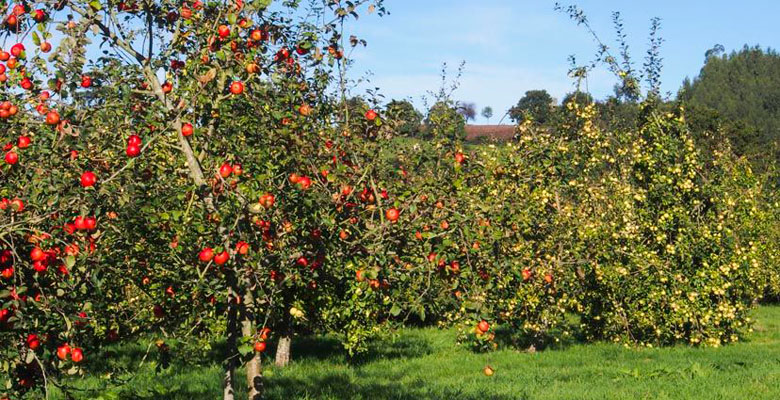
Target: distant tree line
pixel 738 94
pixel 734 98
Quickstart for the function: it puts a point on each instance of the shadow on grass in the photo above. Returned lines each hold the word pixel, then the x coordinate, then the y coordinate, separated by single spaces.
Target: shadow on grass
pixel 313 348
pixel 508 337
pixel 339 387
pixel 329 348
pixel 120 360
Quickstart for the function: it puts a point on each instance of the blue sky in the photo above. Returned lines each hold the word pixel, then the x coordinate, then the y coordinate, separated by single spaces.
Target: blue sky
pixel 511 46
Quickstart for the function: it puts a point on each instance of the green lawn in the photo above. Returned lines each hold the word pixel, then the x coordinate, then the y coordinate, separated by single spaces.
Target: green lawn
pixel 427 364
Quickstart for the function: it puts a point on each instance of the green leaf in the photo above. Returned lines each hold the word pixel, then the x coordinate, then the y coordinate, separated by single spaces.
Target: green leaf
pixel 245 349
pixel 395 310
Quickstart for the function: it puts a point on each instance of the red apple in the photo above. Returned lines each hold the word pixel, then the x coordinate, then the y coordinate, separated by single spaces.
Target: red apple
pixel 267 200
pixel 206 254
pixel 33 342
pixel 237 87
pixel 264 333
pixel 257 35
pixel 17 205
pixel 17 49
pixel 304 182
pixel 90 223
pixel 187 129
pixel 52 118
pixel 77 355
pixel 526 274
pixel 133 150
pixel 225 170
pixel 37 254
pixel 223 31
pixel 392 214
pixel 79 223
pixel 63 351
pixel 221 258
pixel 11 157
pixel 39 15
pixel 242 248
pixel 134 140
pixel 23 142
pixel 88 179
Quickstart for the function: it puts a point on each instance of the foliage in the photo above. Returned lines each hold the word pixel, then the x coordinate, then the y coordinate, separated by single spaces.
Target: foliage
pixel 443 121
pixel 739 92
pixel 236 193
pixel 467 110
pixel 403 117
pixel 676 258
pixel 487 113
pixel 213 186
pixel 536 104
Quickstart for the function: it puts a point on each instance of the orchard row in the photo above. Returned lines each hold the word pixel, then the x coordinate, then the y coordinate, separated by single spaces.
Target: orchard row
pixel 237 199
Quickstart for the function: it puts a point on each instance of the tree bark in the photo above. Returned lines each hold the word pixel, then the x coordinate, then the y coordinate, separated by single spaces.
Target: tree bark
pixel 232 356
pixel 227 385
pixel 254 377
pixel 254 372
pixel 283 351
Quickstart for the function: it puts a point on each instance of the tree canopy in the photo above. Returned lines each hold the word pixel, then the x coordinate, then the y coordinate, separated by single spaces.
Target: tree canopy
pixel 537 104
pixel 741 90
pixel 404 116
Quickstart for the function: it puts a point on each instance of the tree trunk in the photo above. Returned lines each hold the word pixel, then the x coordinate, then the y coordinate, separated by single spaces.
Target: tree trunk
pixel 231 355
pixel 227 384
pixel 254 377
pixel 283 351
pixel 231 346
pixel 254 372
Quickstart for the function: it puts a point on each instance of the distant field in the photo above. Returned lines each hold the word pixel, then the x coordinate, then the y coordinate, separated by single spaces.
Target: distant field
pixel 427 364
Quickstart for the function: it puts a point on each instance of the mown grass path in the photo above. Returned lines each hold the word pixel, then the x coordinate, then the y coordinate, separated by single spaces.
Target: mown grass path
pixel 427 364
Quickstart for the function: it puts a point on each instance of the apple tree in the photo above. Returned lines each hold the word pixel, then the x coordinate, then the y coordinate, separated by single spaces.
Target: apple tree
pixel 176 168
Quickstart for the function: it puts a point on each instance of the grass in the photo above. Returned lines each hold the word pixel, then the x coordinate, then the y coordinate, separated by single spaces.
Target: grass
pixel 427 364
